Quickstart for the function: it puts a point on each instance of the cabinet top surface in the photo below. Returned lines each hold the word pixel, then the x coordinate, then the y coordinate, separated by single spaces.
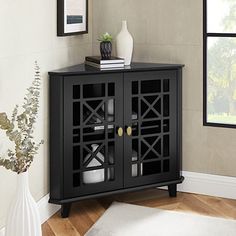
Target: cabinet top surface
pixel 136 66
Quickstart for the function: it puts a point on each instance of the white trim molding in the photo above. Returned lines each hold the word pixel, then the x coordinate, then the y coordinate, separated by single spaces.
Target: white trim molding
pixel 2 232
pixel 47 209
pixel 213 185
pixel 206 184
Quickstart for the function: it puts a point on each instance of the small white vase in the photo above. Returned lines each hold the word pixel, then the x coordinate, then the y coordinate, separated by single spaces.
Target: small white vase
pixel 23 217
pixel 124 44
pixel 110 107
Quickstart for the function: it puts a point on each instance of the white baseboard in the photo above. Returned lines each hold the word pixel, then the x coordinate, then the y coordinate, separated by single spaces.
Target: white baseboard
pixel 206 184
pixel 46 210
pixel 213 185
pixel 2 232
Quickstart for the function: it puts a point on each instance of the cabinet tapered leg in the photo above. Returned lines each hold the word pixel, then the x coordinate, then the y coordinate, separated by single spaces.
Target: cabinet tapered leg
pixel 172 188
pixel 65 210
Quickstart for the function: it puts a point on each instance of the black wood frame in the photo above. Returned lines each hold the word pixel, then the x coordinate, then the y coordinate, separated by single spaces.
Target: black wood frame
pixel 205 36
pixel 60 20
pixel 174 165
pixel 58 83
pixel 66 203
pixel 69 81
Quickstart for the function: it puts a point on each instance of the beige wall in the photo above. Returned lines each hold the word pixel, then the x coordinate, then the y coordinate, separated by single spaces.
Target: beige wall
pixel 171 31
pixel 28 33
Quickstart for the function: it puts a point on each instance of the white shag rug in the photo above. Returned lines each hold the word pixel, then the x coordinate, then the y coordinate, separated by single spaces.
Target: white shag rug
pixel 122 219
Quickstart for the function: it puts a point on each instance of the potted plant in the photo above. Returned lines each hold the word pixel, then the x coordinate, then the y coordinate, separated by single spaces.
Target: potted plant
pixel 23 217
pixel 105 46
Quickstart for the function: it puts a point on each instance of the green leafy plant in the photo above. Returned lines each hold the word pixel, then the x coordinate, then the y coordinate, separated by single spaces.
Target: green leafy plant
pixel 105 38
pixel 19 129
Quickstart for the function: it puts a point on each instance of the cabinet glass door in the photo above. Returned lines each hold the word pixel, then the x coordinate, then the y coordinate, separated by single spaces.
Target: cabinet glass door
pixel 93 109
pixel 150 132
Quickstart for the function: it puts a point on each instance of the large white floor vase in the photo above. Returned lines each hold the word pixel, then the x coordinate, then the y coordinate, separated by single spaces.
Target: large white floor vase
pixel 124 44
pixel 23 217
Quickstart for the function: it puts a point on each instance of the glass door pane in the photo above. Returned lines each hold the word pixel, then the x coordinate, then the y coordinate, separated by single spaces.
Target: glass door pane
pixel 93 148
pixel 150 111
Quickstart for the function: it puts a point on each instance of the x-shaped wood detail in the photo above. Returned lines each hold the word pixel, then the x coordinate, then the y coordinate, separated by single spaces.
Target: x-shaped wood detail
pixel 150 147
pixel 93 155
pixel 151 106
pixel 94 111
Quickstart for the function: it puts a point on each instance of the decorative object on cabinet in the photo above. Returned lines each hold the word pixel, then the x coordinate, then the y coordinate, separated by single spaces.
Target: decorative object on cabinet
pixel 124 44
pixel 112 62
pixel 97 61
pixel 139 137
pixel 105 66
pixel 105 46
pixel 72 17
pixel 23 217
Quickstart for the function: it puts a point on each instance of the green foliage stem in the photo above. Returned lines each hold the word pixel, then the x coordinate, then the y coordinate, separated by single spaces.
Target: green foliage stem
pixel 19 129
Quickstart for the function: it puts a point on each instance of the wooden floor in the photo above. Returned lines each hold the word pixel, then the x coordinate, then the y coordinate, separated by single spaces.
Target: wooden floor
pixel 85 213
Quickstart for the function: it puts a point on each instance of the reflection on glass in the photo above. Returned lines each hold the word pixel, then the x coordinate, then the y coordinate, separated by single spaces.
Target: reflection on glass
pixel 221 16
pixel 111 173
pixel 221 80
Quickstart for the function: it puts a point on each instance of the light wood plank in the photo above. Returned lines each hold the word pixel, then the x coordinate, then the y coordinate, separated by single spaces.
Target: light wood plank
pixel 83 216
pixel 94 209
pixel 62 227
pixel 223 206
pixel 85 213
pixel 46 230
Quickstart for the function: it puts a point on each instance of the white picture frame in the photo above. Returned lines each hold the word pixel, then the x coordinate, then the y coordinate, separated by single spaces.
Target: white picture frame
pixel 72 17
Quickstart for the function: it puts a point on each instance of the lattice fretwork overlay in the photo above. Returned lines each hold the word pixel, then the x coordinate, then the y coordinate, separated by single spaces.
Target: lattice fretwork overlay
pixel 151 127
pixel 93 114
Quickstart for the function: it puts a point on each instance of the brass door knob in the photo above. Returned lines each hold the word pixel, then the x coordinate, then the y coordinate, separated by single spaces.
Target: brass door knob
pixel 129 130
pixel 120 132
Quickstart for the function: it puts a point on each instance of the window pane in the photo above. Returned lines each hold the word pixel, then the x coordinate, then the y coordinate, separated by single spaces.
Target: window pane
pixel 221 16
pixel 221 80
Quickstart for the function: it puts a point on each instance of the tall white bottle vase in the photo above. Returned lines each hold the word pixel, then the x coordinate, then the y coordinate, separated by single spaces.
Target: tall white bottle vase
pixel 124 44
pixel 23 217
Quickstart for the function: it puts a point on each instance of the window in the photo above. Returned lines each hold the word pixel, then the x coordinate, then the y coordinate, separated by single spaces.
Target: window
pixel 220 63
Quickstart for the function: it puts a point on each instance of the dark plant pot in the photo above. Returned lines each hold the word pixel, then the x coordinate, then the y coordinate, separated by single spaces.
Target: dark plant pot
pixel 105 50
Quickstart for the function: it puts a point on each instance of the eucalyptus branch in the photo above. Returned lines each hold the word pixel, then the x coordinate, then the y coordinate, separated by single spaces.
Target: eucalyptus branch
pixel 14 114
pixel 20 129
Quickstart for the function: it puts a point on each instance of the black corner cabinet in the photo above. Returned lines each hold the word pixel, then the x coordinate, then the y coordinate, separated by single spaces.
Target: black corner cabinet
pixel 114 131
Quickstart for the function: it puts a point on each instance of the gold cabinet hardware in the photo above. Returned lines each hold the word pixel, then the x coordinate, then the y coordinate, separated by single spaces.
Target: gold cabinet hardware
pixel 129 131
pixel 120 132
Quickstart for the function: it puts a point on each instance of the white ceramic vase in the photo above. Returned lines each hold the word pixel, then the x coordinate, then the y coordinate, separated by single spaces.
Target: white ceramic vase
pixel 94 176
pixel 23 217
pixel 124 44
